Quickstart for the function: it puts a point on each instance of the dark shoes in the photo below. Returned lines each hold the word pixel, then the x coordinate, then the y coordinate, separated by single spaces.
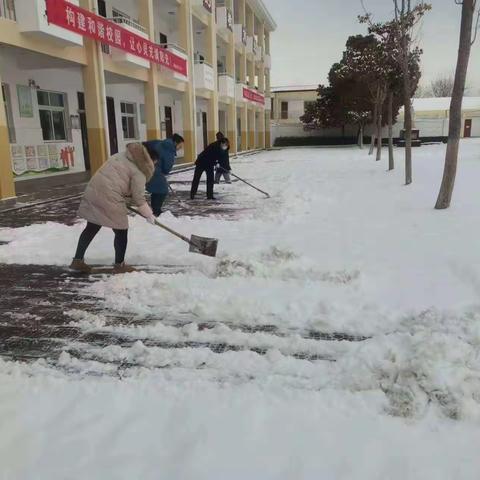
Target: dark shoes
pixel 80 266
pixel 123 268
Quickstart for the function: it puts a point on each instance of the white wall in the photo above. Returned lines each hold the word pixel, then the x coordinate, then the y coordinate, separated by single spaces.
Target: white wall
pixel 201 107
pixel 129 7
pixel 65 80
pixel 167 26
pixel 476 127
pixel 296 108
pixel 132 93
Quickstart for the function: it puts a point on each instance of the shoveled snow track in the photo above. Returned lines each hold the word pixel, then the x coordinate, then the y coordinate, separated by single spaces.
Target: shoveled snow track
pixel 45 317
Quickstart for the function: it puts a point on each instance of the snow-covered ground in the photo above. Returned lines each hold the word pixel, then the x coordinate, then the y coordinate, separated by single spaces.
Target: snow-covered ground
pixel 342 247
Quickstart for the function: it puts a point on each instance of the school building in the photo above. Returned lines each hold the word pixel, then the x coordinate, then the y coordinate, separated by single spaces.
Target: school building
pixel 83 78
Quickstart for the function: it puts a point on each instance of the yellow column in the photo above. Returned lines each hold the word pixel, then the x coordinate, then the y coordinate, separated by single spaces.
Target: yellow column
pixel 261 85
pixel 146 18
pixel 211 56
pixel 268 94
pixel 243 79
pixel 244 124
pixel 251 128
pixel 7 185
pixel 251 82
pixel 232 107
pixel 95 109
pixel 188 99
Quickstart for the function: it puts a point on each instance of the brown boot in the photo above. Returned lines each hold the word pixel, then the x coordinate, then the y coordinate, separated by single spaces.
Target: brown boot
pixel 123 268
pixel 80 266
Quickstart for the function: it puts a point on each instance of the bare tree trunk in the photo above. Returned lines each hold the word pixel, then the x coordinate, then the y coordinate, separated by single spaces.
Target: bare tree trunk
pixel 379 123
pixel 407 96
pixel 360 136
pixel 450 168
pixel 391 161
pixel 375 113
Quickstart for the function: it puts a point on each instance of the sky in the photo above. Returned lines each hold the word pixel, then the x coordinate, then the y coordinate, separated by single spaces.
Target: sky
pixel 311 36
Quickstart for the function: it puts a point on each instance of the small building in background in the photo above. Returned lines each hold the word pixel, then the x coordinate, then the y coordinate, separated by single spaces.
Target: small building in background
pixel 431 117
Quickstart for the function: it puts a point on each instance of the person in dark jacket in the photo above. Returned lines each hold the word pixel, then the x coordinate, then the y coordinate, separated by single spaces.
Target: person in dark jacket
pixel 206 163
pixel 163 153
pixel 223 167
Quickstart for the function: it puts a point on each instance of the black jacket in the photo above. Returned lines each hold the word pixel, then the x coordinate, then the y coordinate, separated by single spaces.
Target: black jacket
pixel 210 156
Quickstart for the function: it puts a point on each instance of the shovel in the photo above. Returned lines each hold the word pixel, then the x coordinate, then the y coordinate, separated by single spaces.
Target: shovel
pixel 174 193
pixel 244 181
pixel 202 245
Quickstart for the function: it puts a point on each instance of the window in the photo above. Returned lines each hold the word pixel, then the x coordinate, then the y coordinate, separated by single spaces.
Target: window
pixel 129 120
pixel 163 39
pixel 51 109
pixel 272 113
pixel 284 109
pixel 8 112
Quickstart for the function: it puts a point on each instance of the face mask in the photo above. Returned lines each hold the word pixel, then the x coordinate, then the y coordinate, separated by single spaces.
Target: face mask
pixel 224 147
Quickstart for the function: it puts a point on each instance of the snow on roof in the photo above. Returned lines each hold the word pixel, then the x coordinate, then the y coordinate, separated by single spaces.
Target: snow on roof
pixel 294 88
pixel 443 103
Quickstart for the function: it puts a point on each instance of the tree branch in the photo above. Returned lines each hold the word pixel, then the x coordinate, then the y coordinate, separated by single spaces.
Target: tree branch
pixel 477 24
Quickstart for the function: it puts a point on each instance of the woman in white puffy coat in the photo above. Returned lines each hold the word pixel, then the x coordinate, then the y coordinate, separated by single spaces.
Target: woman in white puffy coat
pixel 120 180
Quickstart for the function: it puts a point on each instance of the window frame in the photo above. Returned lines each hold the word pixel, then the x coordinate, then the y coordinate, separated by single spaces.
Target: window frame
pixel 126 115
pixel 51 109
pixel 7 100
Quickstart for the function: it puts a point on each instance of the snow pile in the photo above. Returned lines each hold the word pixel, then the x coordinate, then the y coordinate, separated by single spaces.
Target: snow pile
pixel 340 322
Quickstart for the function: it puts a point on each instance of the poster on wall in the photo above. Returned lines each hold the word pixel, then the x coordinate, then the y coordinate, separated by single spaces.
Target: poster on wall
pixel 25 104
pixel 42 159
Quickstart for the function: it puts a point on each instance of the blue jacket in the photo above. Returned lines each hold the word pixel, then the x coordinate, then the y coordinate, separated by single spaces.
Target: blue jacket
pixel 166 152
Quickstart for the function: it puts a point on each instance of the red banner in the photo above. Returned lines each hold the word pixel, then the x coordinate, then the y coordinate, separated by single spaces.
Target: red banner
pixel 253 96
pixel 81 21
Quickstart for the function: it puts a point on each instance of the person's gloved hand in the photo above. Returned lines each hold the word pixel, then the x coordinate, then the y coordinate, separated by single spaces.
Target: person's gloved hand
pixel 146 212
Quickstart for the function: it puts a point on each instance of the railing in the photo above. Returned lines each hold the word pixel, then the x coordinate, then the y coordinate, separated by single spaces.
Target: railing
pixel 7 9
pixel 173 46
pixel 203 62
pixel 129 22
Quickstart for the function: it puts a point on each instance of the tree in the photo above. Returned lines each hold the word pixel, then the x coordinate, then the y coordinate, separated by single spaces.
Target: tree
pixel 451 157
pixel 343 102
pixel 399 32
pixel 442 86
pixel 365 60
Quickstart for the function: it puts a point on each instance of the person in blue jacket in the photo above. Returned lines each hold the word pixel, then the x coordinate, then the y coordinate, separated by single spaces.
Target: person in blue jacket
pixel 163 153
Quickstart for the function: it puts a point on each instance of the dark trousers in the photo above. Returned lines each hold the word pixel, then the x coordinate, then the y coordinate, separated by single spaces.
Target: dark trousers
pixel 157 199
pixel 199 169
pixel 91 230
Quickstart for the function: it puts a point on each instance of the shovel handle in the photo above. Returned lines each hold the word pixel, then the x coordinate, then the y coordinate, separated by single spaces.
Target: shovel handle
pixel 244 181
pixel 161 225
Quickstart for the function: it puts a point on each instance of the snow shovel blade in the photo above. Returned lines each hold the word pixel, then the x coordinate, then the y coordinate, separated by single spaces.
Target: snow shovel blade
pixel 203 245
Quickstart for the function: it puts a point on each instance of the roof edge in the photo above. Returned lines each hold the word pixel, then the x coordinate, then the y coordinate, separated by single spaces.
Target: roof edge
pixel 262 10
